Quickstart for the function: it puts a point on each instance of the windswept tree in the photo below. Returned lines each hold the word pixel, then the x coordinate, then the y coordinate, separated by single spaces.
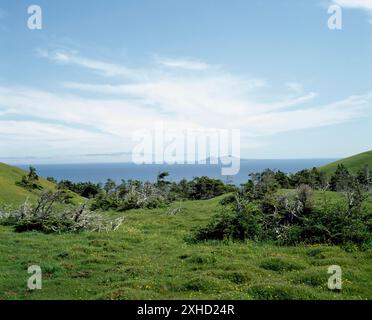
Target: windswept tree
pixel 30 180
pixel 161 178
pixel 364 177
pixel 341 179
pixel 110 186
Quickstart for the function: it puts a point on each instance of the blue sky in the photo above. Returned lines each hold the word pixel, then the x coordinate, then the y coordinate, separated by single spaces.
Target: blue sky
pixel 100 70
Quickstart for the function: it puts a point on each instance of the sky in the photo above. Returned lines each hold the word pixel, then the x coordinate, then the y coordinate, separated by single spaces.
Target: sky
pixel 98 71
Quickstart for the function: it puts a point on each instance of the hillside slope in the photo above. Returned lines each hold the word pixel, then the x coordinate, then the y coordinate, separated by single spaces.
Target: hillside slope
pixel 10 193
pixel 353 163
pixel 149 258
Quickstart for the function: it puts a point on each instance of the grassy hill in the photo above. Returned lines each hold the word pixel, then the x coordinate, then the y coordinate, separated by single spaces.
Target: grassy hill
pixel 148 258
pixel 12 194
pixel 353 163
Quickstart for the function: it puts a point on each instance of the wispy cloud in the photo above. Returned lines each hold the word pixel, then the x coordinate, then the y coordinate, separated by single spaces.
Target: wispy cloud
pixel 187 64
pixel 355 4
pixel 104 68
pixel 365 5
pixel 59 122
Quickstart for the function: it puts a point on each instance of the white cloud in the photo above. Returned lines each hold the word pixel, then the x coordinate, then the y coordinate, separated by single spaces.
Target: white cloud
pixel 77 123
pixel 355 4
pixel 37 139
pixel 365 5
pixel 104 68
pixel 187 64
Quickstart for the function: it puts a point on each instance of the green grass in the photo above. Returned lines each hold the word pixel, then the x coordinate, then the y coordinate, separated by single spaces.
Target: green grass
pixel 14 195
pixel 148 258
pixel 10 193
pixel 353 163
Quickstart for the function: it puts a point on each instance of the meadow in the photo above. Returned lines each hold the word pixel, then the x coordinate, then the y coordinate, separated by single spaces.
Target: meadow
pixel 150 257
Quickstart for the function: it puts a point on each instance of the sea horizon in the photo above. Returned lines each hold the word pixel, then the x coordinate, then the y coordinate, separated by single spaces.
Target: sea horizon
pixel 99 172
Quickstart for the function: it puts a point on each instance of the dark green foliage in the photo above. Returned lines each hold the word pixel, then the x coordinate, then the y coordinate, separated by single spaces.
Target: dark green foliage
pixel 313 178
pixel 102 202
pixel 203 188
pixel 110 187
pixel 364 177
pixel 334 223
pixel 84 189
pixel 260 186
pixel 180 190
pixel 130 195
pixel 269 181
pixel 45 226
pixel 30 181
pixel 282 179
pixel 241 221
pixel 341 180
pixel 134 194
pixel 161 179
pixel 229 199
pixel 290 219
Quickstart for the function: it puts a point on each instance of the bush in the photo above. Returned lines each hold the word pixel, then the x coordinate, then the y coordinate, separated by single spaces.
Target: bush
pixel 30 181
pixel 134 195
pixel 46 226
pixel 204 188
pixel 290 220
pixel 241 221
pixel 49 215
pixel 84 189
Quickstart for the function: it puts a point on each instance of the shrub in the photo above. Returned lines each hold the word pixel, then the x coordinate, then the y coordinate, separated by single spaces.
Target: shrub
pixel 84 189
pixel 48 215
pixel 135 195
pixel 341 179
pixel 30 181
pixel 260 186
pixel 241 221
pixel 203 188
pixel 230 199
pixel 291 219
pixel 313 178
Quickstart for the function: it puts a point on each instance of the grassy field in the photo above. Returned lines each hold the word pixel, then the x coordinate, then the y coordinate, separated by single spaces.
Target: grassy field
pixel 353 163
pixel 148 258
pixel 10 193
pixel 13 195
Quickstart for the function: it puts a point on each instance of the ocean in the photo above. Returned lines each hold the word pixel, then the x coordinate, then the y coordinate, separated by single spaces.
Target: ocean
pixel 100 172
